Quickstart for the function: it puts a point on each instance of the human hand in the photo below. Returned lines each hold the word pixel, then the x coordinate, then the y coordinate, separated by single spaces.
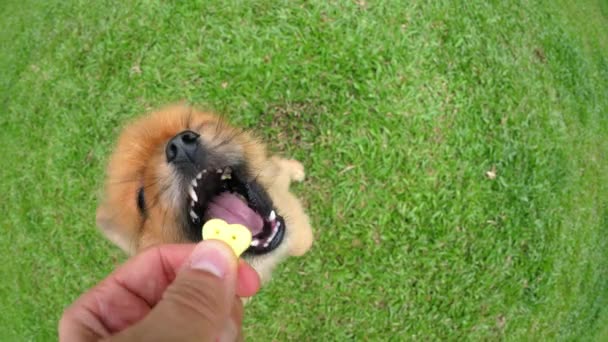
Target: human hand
pixel 166 293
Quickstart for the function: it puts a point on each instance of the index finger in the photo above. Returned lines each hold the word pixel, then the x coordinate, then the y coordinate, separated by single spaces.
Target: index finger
pixel 125 296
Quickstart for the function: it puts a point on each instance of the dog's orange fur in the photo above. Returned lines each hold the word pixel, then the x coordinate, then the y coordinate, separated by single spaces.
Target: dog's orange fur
pixel 138 160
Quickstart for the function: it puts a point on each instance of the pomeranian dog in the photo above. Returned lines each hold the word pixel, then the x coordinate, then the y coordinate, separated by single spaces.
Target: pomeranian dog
pixel 179 167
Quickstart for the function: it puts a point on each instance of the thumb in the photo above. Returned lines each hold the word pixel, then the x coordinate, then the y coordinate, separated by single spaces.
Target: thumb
pixel 199 302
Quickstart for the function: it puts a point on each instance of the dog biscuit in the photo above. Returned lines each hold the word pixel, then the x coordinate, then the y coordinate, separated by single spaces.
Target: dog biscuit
pixel 237 236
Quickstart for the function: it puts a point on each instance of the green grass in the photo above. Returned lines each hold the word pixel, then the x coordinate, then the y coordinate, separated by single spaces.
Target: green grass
pixel 397 109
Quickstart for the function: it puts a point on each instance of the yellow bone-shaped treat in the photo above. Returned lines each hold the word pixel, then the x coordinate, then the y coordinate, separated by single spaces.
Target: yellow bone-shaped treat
pixel 237 236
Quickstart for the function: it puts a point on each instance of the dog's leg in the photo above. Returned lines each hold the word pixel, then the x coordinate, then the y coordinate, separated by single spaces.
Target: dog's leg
pixel 287 171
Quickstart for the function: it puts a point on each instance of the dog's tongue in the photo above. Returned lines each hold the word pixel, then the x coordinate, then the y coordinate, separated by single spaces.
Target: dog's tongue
pixel 233 209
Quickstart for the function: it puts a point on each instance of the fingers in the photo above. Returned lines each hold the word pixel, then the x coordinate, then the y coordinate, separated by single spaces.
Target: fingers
pixel 199 302
pixel 129 294
pixel 232 328
pixel 248 280
pixel 125 296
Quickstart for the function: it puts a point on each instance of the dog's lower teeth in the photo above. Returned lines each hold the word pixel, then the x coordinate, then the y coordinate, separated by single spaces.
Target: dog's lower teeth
pixel 255 243
pixel 193 195
pixel 193 215
pixel 275 229
pixel 194 183
pixel 219 171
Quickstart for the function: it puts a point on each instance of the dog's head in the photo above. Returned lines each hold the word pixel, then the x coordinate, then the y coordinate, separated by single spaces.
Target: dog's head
pixel 173 170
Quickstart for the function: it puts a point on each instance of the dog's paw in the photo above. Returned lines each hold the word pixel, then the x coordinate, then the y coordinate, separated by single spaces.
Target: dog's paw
pixel 295 169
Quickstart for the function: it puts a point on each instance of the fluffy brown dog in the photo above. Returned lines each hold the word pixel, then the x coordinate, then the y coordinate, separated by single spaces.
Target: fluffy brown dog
pixel 177 168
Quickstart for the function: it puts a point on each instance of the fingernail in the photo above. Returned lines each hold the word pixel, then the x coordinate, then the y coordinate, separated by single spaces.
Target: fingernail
pixel 230 332
pixel 210 256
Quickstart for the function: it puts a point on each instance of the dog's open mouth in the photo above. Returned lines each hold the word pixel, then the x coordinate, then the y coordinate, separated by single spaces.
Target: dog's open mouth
pixel 222 194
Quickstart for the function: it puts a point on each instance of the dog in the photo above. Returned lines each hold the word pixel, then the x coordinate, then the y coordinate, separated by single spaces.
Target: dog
pixel 174 169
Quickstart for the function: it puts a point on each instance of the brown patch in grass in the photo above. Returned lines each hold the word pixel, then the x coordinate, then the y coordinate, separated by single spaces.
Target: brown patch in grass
pixel 501 321
pixel 90 157
pixel 289 122
pixel 539 53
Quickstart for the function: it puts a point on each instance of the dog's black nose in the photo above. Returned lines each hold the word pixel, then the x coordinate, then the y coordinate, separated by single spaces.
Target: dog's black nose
pixel 182 147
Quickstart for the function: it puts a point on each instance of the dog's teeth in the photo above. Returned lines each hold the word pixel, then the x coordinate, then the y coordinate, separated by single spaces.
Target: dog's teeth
pixel 255 243
pixel 227 174
pixel 192 204
pixel 193 195
pixel 219 171
pixel 200 174
pixel 193 215
pixel 272 216
pixel 194 183
pixel 271 237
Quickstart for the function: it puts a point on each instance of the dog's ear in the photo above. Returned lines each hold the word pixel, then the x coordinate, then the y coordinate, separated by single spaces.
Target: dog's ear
pixel 109 223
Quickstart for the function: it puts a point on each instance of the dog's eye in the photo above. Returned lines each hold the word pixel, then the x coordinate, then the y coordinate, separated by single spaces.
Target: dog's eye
pixel 141 201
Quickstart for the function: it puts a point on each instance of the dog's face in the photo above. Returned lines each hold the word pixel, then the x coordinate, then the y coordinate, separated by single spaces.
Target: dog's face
pixel 175 169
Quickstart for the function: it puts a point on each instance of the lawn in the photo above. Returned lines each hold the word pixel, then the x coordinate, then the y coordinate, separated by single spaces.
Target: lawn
pixel 457 155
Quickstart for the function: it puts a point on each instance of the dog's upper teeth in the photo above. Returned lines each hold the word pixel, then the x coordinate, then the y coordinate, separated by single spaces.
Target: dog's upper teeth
pixel 193 215
pixel 194 183
pixel 200 174
pixel 219 171
pixel 193 195
pixel 255 243
pixel 192 204
pixel 272 216
pixel 227 174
